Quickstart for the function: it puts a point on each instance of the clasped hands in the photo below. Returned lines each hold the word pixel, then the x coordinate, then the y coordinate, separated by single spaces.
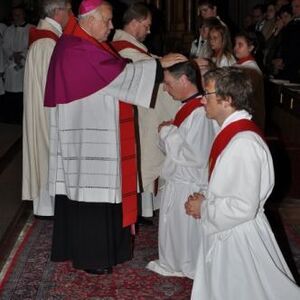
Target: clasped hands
pixel 193 205
pixel 164 123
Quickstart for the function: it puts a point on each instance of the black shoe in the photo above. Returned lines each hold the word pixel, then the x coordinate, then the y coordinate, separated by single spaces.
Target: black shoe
pixel 145 221
pixel 99 271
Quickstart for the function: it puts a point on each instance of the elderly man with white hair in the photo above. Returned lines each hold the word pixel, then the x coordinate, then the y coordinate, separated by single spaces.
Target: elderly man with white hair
pixel 35 118
pixel 92 172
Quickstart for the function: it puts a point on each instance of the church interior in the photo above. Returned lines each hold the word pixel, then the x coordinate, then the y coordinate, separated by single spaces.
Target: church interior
pixel 174 27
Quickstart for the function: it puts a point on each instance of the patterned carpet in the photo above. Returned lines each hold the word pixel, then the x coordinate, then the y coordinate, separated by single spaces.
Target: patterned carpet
pixel 31 275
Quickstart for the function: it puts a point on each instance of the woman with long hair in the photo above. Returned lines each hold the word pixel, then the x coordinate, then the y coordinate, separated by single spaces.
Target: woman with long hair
pixel 220 43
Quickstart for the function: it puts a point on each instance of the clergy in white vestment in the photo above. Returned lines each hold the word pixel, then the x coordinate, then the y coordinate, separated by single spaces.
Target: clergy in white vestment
pixel 238 257
pixel 129 43
pixel 35 117
pixel 92 168
pixel 186 140
pixel 15 45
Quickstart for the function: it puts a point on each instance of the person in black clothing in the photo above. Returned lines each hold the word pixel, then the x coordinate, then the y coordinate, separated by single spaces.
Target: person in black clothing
pixel 288 65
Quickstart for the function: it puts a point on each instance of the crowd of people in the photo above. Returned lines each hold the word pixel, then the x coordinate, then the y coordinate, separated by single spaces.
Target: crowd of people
pixel 112 132
pixel 274 31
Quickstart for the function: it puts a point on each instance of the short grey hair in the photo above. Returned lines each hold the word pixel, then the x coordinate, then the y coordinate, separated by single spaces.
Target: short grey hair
pixel 49 6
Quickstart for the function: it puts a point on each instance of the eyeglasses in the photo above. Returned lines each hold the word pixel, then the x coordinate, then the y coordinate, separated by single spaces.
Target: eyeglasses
pixel 205 93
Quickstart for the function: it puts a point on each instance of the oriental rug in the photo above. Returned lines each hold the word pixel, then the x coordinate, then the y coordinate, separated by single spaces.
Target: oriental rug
pixel 29 274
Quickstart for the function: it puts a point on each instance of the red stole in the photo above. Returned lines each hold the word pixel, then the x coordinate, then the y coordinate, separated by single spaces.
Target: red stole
pixel 36 34
pixel 122 44
pixel 186 110
pixel 225 136
pixel 244 59
pixel 129 182
pixel 127 146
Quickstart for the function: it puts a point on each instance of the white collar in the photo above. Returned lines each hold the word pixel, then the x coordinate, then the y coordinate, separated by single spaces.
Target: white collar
pixel 55 24
pixel 237 115
pixel 121 35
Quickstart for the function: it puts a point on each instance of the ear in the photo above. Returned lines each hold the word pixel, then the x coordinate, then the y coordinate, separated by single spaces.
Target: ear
pixel 251 48
pixel 134 23
pixel 183 79
pixel 227 102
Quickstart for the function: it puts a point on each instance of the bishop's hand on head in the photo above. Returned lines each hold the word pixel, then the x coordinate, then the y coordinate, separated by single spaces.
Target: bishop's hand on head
pixel 171 59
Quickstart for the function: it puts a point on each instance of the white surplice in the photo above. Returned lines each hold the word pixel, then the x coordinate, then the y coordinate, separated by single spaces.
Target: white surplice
pixel 15 40
pixel 85 149
pixel 238 256
pixel 149 119
pixel 225 61
pixel 36 122
pixel 185 171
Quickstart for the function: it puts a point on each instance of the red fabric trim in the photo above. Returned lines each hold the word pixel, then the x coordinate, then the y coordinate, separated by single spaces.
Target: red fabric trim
pixel 120 45
pixel 186 110
pixel 128 164
pixel 224 137
pixel 71 24
pixel 79 32
pixel 128 151
pixel 37 34
pixel 244 59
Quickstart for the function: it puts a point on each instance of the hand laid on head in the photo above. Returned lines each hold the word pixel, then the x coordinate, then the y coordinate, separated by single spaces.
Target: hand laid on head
pixel 164 123
pixel 172 59
pixel 193 205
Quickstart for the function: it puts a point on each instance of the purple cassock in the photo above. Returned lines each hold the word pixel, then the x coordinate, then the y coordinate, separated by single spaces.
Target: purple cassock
pixel 79 68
